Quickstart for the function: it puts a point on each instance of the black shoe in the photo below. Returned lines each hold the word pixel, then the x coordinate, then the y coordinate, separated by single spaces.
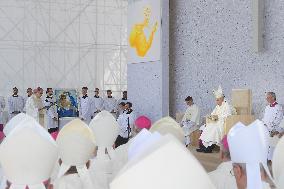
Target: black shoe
pixel 200 150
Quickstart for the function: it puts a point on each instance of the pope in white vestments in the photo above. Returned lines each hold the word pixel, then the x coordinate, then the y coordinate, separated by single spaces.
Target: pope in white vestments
pixel 272 118
pixel 190 120
pixel 212 132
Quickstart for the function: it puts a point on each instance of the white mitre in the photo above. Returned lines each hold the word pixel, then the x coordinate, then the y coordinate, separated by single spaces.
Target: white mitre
pixel 15 121
pixel 77 146
pixel 243 140
pixel 28 155
pixel 219 92
pixel 168 125
pixel 167 164
pixel 105 129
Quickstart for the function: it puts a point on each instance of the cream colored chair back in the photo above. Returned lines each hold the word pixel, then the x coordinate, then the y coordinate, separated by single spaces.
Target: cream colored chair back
pixel 242 101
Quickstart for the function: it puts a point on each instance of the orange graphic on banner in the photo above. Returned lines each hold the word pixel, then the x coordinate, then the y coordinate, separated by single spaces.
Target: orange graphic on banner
pixel 138 39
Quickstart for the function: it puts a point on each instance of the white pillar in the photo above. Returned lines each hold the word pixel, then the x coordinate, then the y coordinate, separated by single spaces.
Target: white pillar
pixel 257 19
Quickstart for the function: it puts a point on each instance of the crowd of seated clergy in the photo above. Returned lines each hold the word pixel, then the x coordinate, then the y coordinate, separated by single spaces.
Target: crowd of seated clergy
pixel 110 153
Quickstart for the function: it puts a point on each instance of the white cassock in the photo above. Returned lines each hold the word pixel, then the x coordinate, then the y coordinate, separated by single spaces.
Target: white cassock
pixel 190 121
pixel 110 104
pixel 222 178
pixel 213 132
pixel 50 113
pixel 32 107
pixel 85 109
pixel 126 120
pixel 97 105
pixel 272 118
pixel 2 107
pixel 15 105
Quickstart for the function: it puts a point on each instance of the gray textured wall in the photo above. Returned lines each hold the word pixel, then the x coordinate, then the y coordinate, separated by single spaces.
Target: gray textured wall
pixel 210 44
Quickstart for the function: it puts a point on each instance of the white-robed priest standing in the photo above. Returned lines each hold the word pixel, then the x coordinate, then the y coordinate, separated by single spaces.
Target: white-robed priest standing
pixel 110 103
pixel 272 118
pixel 213 131
pixel 191 119
pixel 85 106
pixel 278 164
pixel 15 103
pixel 51 116
pixel 97 103
pixel 76 143
pixel 34 105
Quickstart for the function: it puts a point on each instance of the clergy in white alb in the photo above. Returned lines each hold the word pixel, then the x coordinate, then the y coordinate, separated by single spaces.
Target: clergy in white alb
pixel 272 118
pixel 278 164
pixel 34 105
pixel 97 103
pixel 110 103
pixel 51 116
pixel 190 120
pixel 213 131
pixel 2 108
pixel 85 106
pixel 15 103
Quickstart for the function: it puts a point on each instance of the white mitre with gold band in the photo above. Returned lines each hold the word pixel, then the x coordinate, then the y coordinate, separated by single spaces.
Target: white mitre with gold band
pixel 168 125
pixel 28 155
pixel 77 146
pixel 278 164
pixel 243 140
pixel 167 164
pixel 106 130
pixel 218 93
pixel 16 120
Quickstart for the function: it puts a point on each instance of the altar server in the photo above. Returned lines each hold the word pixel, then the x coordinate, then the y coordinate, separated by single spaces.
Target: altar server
pixel 85 106
pixel 51 116
pixel 97 104
pixel 15 103
pixel 110 103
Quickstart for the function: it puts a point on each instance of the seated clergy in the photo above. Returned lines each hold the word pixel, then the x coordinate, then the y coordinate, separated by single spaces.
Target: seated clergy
pixel 191 119
pixel 105 129
pixel 273 115
pixel 248 148
pixel 222 177
pixel 278 165
pixel 166 164
pixel 76 143
pixel 213 131
pixel 27 157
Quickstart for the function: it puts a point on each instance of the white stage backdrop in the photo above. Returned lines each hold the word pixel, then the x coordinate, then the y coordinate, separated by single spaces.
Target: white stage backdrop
pixel 63 44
